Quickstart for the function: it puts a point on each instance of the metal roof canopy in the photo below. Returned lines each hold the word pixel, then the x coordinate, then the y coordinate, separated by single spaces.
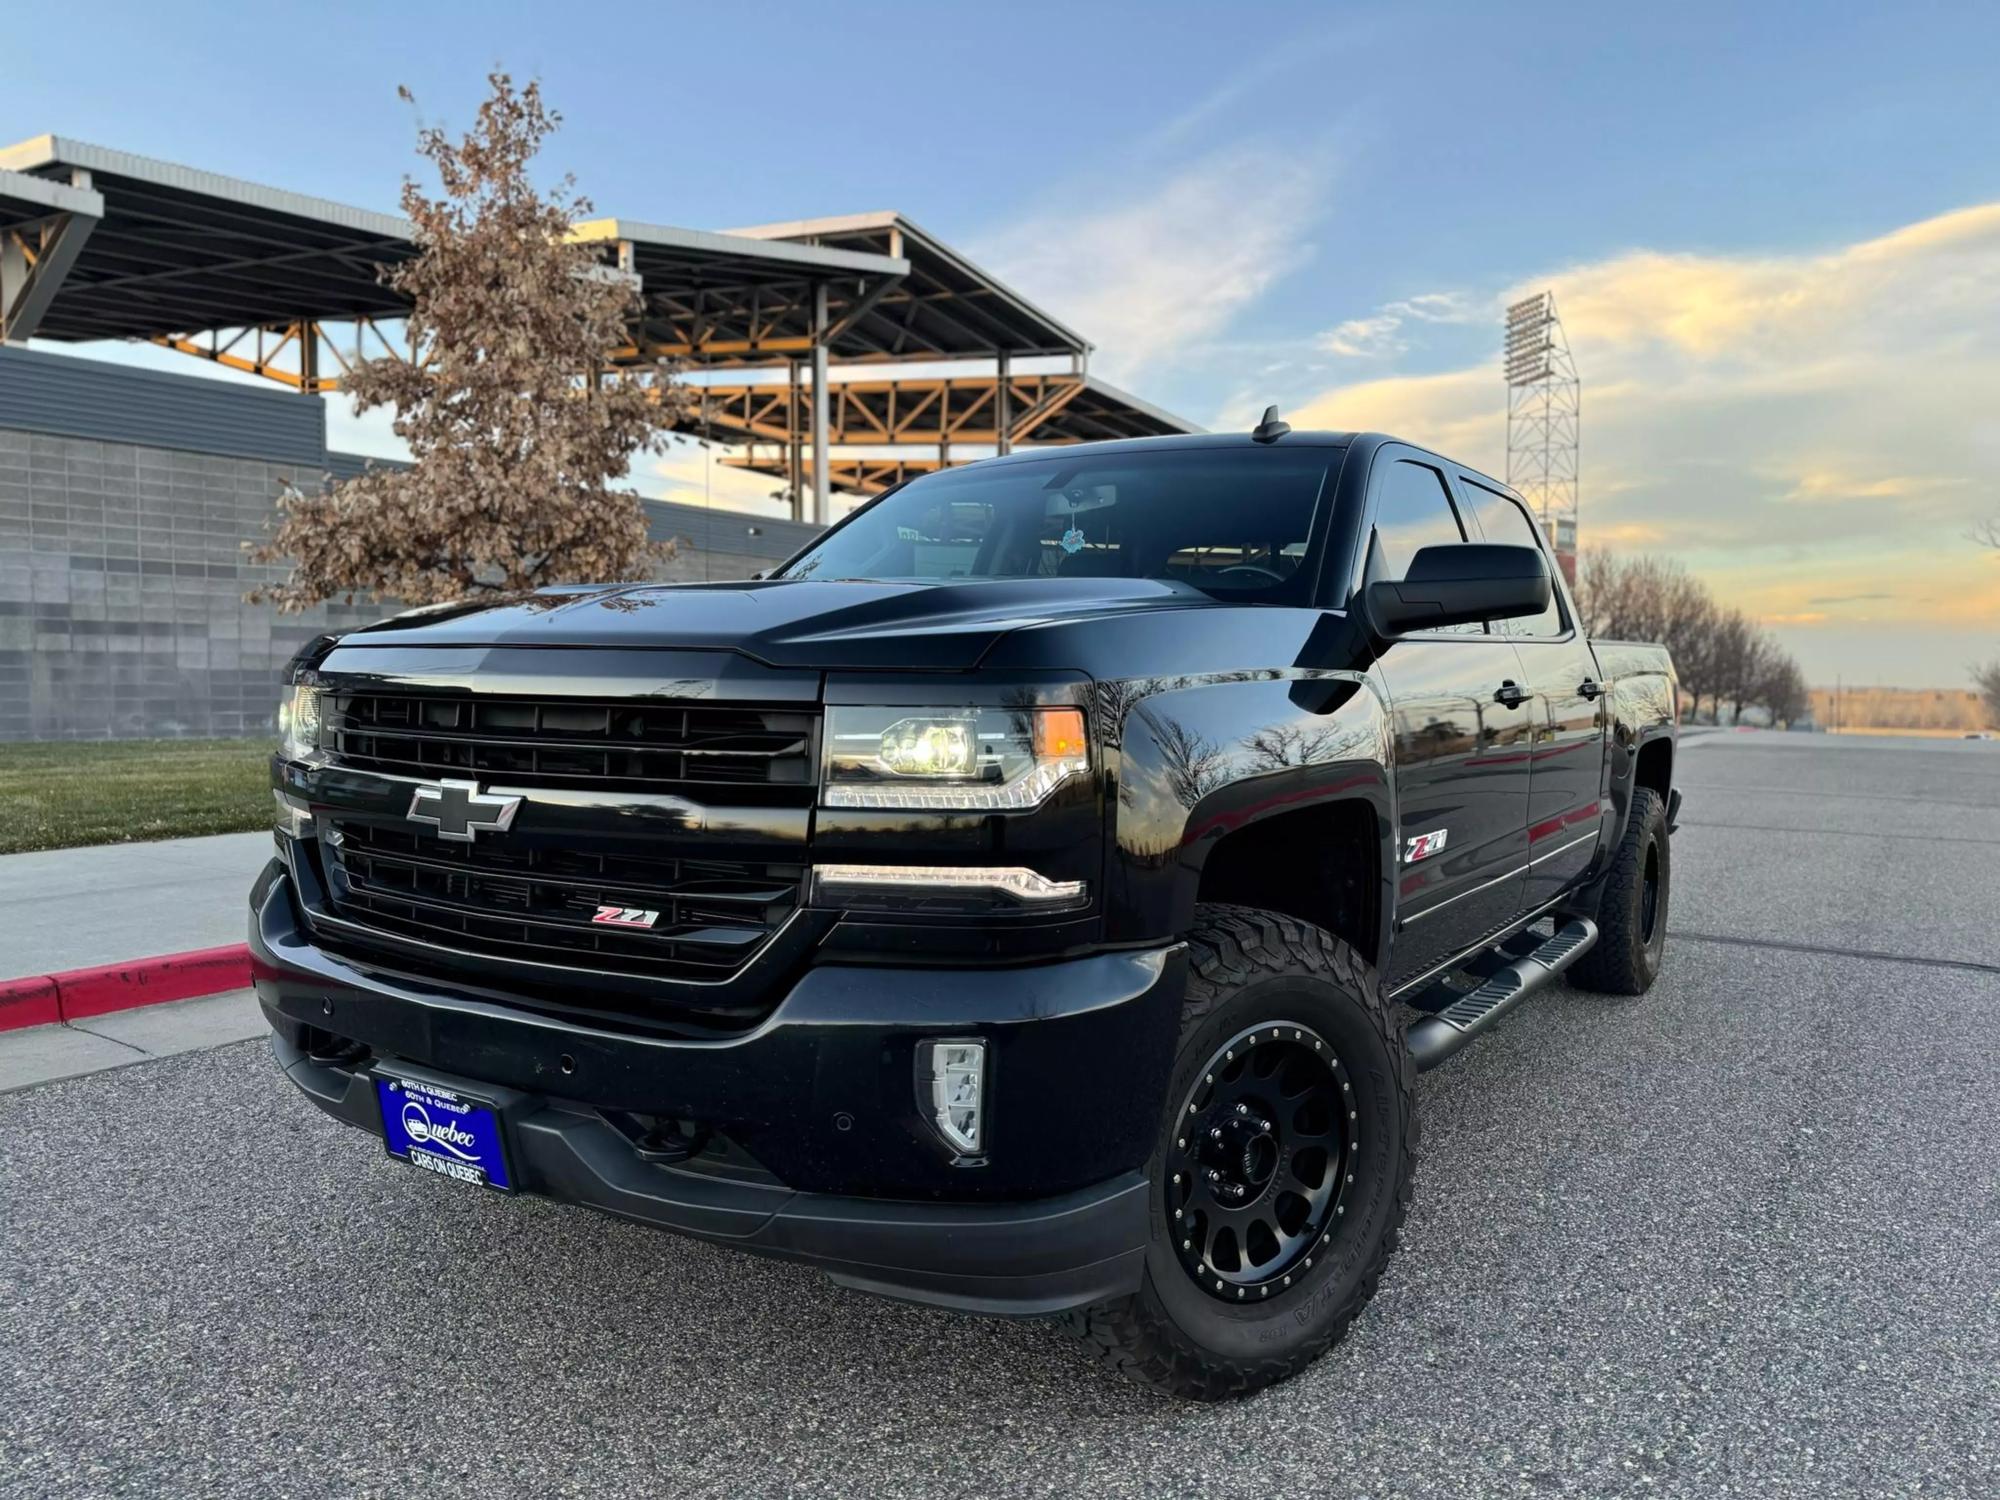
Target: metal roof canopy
pixel 43 227
pixel 727 299
pixel 946 307
pixel 178 250
pixel 1040 409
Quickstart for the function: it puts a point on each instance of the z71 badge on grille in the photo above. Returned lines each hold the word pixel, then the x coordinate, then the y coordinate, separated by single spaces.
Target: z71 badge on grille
pixel 1424 845
pixel 625 916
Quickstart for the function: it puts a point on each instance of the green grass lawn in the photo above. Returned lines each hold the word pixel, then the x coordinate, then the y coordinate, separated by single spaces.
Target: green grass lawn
pixel 58 795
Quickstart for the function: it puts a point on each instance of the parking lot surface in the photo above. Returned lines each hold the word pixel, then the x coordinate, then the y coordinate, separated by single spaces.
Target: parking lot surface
pixel 1739 1237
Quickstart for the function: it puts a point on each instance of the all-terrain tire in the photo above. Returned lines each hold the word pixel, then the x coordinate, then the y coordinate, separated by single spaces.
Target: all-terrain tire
pixel 1249 968
pixel 1632 911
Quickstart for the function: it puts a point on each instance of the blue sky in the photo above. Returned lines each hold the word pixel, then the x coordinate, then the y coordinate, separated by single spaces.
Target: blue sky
pixel 1319 205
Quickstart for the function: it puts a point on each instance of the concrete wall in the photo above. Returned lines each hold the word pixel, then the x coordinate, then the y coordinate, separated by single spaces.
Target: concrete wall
pixel 121 568
pixel 722 544
pixel 121 584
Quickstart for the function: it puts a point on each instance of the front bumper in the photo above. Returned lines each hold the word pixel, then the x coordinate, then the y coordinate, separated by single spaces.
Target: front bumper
pixel 822 1095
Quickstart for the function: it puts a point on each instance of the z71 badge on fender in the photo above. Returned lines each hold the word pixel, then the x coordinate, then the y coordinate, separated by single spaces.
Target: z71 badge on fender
pixel 1424 845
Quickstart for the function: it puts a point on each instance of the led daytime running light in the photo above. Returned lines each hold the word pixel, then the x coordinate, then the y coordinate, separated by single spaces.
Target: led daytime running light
pixel 1029 887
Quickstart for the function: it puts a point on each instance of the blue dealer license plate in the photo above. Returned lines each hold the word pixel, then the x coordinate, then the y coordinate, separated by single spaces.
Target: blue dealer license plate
pixel 443 1131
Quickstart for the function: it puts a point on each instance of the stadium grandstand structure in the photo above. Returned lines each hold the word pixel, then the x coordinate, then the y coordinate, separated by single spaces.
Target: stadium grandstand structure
pixel 789 334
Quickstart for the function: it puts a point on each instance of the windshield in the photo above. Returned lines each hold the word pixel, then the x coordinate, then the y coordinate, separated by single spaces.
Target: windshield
pixel 1233 522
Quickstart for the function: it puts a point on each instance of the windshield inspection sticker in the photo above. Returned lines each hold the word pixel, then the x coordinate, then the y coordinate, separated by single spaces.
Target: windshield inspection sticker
pixel 1072 540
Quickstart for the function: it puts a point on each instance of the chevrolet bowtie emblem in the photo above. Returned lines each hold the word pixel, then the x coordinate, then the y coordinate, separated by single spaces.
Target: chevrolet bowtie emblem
pixel 460 811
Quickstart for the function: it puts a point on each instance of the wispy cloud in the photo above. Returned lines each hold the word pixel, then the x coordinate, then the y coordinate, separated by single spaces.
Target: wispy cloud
pixel 1146 275
pixel 1383 333
pixel 1365 338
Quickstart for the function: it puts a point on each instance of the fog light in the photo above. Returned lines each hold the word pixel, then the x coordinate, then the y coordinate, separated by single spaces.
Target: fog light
pixel 956 1074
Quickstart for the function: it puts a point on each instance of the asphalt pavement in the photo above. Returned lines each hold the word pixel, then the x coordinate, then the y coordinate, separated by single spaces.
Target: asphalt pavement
pixel 1740 1237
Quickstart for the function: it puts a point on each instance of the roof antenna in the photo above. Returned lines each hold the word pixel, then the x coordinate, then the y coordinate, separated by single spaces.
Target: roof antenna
pixel 1270 429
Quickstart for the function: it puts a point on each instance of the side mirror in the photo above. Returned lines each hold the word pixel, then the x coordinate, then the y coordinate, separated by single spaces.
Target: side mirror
pixel 1455 585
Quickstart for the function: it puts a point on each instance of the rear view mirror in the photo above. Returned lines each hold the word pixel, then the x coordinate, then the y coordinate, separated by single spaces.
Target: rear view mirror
pixel 1456 585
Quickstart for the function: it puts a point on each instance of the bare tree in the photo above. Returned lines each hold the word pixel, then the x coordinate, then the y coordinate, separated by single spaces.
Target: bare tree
pixel 1782 689
pixel 1734 650
pixel 518 427
pixel 1987 679
pixel 1987 533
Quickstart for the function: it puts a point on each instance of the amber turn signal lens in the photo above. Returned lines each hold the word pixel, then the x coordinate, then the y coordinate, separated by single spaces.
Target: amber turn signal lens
pixel 1058 733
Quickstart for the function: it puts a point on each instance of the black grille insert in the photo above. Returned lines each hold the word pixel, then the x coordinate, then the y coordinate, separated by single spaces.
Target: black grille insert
pixel 572 743
pixel 512 900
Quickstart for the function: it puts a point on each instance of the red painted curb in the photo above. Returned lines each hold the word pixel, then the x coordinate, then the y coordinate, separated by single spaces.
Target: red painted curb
pixel 28 1002
pixel 70 996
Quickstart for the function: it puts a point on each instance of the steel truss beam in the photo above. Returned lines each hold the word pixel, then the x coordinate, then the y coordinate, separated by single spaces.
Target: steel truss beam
pixel 914 413
pixel 854 476
pixel 260 350
pixel 47 223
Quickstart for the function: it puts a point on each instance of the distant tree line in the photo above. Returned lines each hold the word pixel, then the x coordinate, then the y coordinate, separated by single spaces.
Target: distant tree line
pixel 1722 655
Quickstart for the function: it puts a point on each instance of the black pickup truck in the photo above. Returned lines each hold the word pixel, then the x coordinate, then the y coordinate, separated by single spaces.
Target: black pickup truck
pixel 1036 897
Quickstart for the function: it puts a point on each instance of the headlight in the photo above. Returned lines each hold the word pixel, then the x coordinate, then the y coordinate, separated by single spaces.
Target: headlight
pixel 298 721
pixel 951 760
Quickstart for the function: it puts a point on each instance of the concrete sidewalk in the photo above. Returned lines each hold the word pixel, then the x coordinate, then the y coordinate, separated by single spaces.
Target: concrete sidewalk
pixel 42 1054
pixel 74 908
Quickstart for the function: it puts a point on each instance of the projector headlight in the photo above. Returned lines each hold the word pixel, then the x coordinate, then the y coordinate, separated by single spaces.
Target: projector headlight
pixel 951 760
pixel 298 721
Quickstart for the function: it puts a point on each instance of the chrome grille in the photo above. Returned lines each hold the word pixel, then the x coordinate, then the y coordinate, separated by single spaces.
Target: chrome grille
pixel 507 899
pixel 572 743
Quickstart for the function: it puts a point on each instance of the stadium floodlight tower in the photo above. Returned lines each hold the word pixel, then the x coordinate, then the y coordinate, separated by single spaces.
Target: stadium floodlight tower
pixel 1544 407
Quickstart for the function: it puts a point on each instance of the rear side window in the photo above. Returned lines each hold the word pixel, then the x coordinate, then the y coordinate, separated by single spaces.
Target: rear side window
pixel 1503 520
pixel 1413 510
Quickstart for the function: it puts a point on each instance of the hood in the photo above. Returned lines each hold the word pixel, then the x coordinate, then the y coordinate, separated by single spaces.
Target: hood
pixel 787 622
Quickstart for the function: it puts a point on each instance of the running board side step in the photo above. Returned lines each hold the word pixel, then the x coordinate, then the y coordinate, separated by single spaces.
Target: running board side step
pixel 1434 1038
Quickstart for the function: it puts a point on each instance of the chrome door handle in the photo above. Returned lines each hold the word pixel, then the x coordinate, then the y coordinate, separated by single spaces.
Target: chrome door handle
pixel 1512 694
pixel 1590 688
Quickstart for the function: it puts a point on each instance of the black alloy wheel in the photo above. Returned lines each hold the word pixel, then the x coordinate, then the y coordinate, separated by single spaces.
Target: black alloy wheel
pixel 1262 1162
